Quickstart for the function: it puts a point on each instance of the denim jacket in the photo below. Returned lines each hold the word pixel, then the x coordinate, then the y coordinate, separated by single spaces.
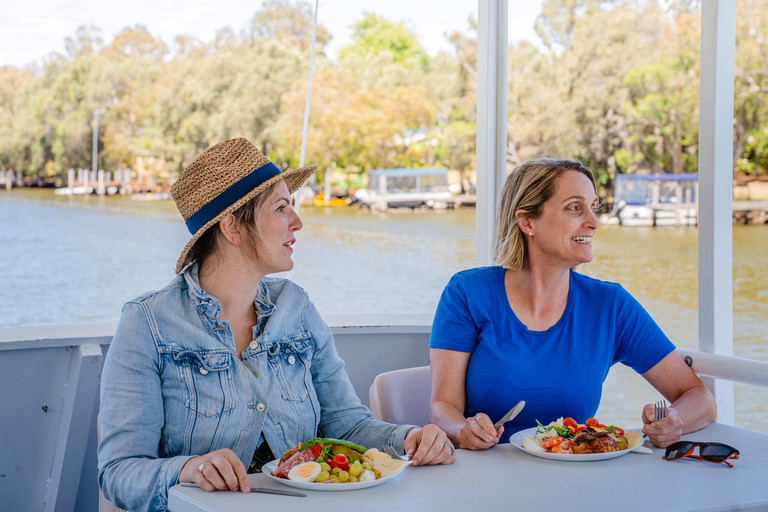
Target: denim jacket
pixel 173 388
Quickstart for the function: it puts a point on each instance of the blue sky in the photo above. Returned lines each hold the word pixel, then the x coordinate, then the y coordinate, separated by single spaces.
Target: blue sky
pixel 31 29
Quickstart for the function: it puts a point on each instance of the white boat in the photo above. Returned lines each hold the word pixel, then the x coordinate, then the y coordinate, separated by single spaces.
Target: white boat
pixel 151 196
pixel 406 188
pixel 74 191
pixel 654 200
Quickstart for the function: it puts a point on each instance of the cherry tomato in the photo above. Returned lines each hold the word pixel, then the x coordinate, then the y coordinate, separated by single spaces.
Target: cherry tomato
pixel 341 461
pixel 570 422
pixel 592 422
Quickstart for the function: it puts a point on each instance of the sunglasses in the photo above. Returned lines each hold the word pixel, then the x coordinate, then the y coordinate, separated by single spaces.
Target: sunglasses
pixel 711 452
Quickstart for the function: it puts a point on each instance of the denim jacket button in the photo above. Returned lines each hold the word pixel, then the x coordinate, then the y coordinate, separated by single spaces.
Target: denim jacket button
pixel 203 371
pixel 260 407
pixel 291 359
pixel 254 345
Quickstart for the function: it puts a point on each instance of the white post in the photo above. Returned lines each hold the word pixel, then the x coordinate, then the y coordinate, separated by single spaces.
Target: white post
pixel 70 180
pixel 382 187
pixel 102 188
pixel 718 46
pixel 305 128
pixel 491 118
pixel 126 181
pixel 326 186
pixel 94 159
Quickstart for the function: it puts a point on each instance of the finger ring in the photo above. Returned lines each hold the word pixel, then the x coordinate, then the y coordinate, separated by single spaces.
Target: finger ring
pixel 450 447
pixel 202 466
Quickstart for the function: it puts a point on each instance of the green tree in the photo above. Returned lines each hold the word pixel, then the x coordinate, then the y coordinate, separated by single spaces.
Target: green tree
pixel 374 35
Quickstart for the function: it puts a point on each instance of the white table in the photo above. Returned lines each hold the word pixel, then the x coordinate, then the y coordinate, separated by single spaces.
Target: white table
pixel 505 478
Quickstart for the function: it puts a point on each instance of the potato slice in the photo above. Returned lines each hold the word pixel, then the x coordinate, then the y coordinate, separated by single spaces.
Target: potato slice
pixel 530 443
pixel 634 438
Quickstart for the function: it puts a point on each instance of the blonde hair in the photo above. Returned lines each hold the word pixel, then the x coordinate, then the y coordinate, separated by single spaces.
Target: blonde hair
pixel 527 188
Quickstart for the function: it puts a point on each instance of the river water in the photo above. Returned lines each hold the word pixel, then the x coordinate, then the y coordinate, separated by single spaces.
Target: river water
pixel 73 260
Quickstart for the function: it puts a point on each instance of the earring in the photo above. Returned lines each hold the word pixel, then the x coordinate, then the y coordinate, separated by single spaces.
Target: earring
pixel 530 233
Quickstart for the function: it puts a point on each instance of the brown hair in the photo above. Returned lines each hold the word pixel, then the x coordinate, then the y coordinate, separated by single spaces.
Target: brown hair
pixel 527 188
pixel 247 216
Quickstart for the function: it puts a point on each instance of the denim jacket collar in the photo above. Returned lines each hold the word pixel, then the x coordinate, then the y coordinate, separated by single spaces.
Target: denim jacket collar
pixel 211 307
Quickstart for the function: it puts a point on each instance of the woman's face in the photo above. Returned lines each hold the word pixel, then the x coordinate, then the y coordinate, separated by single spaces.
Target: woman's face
pixel 277 223
pixel 564 230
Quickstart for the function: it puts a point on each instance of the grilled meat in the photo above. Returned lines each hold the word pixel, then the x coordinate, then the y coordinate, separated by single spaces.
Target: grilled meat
pixel 589 441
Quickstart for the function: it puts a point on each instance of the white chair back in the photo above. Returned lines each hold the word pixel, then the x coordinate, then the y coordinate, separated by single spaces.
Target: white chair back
pixel 402 396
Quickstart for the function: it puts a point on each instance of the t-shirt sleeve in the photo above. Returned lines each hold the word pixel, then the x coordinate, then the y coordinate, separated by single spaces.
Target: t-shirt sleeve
pixel 641 344
pixel 453 327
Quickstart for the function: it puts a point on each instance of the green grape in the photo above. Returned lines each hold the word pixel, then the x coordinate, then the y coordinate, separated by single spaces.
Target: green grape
pixel 325 467
pixel 323 476
pixel 336 471
pixel 343 476
pixel 355 469
pixel 353 479
pixel 367 466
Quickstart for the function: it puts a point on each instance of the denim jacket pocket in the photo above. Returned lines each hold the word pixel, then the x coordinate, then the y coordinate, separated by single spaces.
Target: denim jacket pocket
pixel 207 379
pixel 290 359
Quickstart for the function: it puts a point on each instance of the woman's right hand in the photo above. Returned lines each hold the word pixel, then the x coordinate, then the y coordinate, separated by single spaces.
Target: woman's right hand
pixel 478 433
pixel 219 470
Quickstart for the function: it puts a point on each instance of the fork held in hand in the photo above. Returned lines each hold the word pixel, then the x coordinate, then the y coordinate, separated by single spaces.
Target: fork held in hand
pixel 659 410
pixel 389 450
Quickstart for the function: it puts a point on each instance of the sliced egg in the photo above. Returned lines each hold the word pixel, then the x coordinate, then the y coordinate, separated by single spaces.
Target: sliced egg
pixel 306 472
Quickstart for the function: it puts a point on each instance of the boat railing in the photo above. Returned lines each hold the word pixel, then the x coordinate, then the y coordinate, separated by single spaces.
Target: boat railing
pixel 50 400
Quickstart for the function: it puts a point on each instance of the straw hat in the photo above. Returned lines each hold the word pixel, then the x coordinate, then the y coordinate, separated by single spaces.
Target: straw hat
pixel 221 180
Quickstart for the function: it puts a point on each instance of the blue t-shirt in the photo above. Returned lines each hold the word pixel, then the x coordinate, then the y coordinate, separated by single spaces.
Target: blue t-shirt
pixel 558 372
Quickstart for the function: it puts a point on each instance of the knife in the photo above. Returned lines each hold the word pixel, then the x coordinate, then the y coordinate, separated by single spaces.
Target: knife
pixel 265 490
pixel 511 414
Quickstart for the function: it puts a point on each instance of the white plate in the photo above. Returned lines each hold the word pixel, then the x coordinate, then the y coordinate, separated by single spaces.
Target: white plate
pixel 270 467
pixel 517 441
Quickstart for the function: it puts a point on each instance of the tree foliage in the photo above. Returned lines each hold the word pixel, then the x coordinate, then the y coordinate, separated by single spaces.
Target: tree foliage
pixel 614 84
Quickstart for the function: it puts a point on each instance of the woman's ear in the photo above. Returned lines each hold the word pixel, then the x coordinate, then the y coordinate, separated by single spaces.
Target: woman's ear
pixel 523 222
pixel 230 228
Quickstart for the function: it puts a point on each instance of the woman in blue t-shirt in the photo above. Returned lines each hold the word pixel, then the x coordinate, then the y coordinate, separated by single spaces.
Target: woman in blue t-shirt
pixel 533 329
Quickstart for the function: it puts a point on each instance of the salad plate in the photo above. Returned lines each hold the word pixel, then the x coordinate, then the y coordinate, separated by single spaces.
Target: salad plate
pixel 270 468
pixel 517 441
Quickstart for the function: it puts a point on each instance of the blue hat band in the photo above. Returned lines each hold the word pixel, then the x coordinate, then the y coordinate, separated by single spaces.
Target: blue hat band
pixel 230 196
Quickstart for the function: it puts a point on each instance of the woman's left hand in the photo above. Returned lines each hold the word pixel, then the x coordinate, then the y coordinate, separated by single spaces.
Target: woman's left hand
pixel 429 445
pixel 665 431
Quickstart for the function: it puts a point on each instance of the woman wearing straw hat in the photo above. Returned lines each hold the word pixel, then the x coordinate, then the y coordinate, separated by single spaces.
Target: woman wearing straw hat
pixel 224 366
